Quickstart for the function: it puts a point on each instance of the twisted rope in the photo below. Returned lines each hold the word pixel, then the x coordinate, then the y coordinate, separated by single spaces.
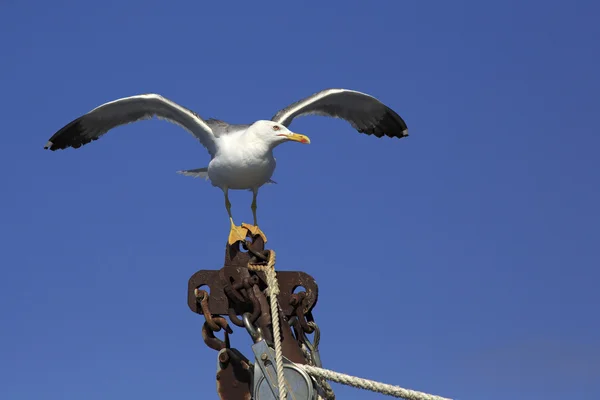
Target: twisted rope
pixel 321 373
pixel 390 390
pixel 269 271
pixel 324 385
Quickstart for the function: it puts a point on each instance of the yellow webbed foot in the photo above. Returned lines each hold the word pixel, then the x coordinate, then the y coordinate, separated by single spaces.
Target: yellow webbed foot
pixel 255 231
pixel 237 233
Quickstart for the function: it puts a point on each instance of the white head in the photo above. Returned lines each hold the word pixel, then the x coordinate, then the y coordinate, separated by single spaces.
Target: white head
pixel 274 134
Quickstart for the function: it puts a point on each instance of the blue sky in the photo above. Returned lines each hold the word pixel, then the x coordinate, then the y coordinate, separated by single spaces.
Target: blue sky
pixel 481 228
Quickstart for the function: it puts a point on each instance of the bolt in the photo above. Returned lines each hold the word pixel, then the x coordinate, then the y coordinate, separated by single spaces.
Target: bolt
pixel 224 357
pixel 264 357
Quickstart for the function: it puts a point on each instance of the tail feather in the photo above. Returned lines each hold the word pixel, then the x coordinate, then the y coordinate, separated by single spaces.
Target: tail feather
pixel 195 173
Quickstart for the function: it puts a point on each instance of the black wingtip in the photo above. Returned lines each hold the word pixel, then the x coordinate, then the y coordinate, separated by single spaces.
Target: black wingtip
pixel 396 127
pixel 71 135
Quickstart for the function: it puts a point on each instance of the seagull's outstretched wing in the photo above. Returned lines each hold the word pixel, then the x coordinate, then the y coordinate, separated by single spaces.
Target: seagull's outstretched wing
pixel 123 111
pixel 365 113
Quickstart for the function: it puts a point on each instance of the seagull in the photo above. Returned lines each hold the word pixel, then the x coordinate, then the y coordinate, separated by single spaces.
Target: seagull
pixel 241 155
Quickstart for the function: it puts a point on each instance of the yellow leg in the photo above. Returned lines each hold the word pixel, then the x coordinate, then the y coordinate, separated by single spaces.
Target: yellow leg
pixel 236 233
pixel 254 229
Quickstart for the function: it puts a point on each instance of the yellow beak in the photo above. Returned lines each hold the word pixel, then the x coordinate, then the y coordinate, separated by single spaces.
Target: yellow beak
pixel 298 138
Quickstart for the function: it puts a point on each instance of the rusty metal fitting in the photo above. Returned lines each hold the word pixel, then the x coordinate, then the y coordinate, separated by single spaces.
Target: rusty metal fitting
pixel 257 256
pixel 224 357
pixel 202 296
pixel 223 296
pixel 294 300
pixel 234 376
pixel 254 280
pixel 234 318
pixel 209 335
pixel 297 298
pixel 243 289
pixel 302 321
pixel 233 294
pixel 256 309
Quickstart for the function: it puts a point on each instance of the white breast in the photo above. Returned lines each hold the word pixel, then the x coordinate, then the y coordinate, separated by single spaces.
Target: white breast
pixel 239 165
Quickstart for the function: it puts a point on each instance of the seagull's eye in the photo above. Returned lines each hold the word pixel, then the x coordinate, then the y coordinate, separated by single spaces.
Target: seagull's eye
pixel 276 128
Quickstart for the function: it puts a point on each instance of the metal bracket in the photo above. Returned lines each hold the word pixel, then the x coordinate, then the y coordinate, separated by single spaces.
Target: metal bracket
pixel 235 291
pixel 219 303
pixel 235 269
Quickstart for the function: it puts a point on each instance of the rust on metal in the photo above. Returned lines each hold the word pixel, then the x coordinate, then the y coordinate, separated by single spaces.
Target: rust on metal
pixel 217 281
pixel 234 291
pixel 297 298
pixel 236 257
pixel 301 312
pixel 289 345
pixel 208 335
pixel 224 358
pixel 224 282
pixel 202 296
pixel 234 379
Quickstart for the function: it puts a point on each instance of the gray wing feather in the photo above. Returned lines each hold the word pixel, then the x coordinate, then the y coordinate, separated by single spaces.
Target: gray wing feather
pixel 365 113
pixel 100 120
pixel 224 128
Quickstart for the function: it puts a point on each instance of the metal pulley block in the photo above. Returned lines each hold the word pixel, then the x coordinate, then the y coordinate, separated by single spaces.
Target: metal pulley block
pixel 300 386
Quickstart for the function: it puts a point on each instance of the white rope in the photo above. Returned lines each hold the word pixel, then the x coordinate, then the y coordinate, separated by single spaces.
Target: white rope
pixel 324 386
pixel 374 386
pixel 391 390
pixel 269 271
